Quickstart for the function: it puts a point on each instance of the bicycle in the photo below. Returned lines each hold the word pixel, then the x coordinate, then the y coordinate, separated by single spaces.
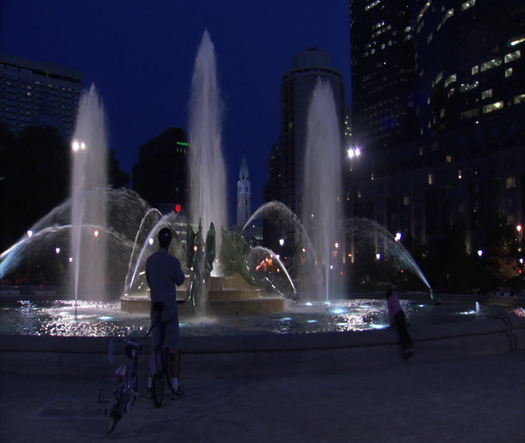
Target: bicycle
pixel 125 394
pixel 162 370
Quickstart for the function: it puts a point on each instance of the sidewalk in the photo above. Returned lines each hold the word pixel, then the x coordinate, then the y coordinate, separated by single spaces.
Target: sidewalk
pixel 471 400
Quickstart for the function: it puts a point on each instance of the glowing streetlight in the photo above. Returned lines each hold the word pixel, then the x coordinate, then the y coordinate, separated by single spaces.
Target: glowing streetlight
pixel 480 252
pixel 378 256
pixel 150 241
pixel 281 241
pixel 70 259
pixel 519 228
pixel 76 146
pixel 30 233
pixel 353 152
pixel 336 245
pixel 57 250
pixel 96 233
pixel 398 236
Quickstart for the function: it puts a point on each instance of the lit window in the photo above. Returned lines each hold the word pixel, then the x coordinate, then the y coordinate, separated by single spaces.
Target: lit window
pixel 430 179
pixel 508 72
pixel 512 56
pixel 450 80
pixel 496 106
pixel 518 99
pixel 448 159
pixel 491 64
pixel 442 113
pixel 371 5
pixel 460 174
pixel 510 182
pixel 406 200
pixel 451 92
pixel 464 87
pixel 467 4
pixel 469 114
pixel 474 70
pixel 486 94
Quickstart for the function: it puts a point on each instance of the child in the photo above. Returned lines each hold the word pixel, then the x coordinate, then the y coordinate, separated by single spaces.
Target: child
pixel 397 317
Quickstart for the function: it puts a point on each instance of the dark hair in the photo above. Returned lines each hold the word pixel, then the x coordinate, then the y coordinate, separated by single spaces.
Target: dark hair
pixel 388 293
pixel 164 236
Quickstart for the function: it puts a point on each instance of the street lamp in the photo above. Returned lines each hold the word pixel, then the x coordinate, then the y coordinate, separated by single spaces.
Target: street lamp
pixel 78 145
pixel 353 152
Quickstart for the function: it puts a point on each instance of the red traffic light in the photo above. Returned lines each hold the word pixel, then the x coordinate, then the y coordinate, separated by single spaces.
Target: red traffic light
pixel 178 208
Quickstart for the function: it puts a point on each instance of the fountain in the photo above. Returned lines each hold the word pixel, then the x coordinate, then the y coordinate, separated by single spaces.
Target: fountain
pixel 289 333
pixel 321 205
pixel 89 199
pixel 206 163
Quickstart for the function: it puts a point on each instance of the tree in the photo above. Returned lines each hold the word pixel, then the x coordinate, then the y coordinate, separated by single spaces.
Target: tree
pixel 35 171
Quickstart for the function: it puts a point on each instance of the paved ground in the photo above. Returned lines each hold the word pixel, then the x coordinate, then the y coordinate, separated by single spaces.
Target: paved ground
pixel 473 400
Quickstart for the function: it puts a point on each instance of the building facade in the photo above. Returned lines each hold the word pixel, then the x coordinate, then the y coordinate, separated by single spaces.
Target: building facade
pixel 38 94
pixel 296 92
pixel 465 169
pixel 160 176
pixel 383 51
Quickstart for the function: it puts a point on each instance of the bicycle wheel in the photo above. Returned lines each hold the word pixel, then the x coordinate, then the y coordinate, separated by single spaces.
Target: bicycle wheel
pixel 157 389
pixel 133 392
pixel 114 417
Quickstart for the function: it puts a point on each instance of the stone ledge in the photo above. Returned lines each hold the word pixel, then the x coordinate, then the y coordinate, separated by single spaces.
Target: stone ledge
pixel 271 354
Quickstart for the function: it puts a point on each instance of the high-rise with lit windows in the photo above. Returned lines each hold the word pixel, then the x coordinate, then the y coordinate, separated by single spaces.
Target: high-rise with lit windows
pixel 383 112
pixel 38 94
pixel 465 166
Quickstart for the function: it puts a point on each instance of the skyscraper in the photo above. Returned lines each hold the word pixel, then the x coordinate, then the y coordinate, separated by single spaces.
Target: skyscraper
pixel 296 93
pixel 244 197
pixel 382 39
pixel 38 94
pixel 464 166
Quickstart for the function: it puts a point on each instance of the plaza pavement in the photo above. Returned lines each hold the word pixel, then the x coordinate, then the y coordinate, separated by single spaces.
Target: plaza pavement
pixel 476 399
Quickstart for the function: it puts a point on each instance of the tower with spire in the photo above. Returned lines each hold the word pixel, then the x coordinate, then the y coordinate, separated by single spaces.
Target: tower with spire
pixel 243 194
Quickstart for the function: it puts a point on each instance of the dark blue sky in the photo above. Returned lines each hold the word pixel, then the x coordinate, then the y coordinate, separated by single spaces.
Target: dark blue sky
pixel 140 55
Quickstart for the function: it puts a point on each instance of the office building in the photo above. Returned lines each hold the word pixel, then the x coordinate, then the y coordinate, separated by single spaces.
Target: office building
pixel 160 176
pixel 382 38
pixel 38 94
pixel 465 169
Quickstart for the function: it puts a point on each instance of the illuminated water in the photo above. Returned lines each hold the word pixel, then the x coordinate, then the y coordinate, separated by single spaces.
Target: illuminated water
pixel 322 211
pixel 206 162
pixel 88 254
pixel 57 318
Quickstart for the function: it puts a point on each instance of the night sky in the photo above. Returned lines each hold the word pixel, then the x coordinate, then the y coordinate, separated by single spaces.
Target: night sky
pixel 140 56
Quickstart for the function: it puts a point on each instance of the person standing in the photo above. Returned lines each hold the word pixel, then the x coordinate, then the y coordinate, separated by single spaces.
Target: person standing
pixel 398 318
pixel 163 273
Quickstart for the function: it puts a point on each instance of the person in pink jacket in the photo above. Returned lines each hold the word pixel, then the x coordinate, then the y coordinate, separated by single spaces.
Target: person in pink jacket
pixel 397 318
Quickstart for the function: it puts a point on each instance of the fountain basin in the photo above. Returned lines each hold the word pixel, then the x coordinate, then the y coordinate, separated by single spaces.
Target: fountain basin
pixel 273 354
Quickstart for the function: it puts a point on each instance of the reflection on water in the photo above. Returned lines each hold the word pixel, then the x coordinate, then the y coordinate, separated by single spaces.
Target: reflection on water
pixel 57 318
